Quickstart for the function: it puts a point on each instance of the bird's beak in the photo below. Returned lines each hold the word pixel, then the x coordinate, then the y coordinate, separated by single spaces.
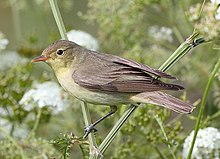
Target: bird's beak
pixel 40 58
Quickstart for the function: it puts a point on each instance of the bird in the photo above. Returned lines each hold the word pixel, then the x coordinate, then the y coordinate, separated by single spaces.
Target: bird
pixel 106 79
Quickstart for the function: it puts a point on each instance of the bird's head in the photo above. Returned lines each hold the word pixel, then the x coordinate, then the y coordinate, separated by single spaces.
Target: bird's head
pixel 60 54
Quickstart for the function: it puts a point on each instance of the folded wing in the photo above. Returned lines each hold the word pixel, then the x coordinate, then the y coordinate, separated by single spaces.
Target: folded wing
pixel 102 72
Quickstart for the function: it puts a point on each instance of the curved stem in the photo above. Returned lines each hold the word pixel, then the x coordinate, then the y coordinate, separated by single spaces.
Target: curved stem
pixel 160 123
pixel 111 135
pixel 58 18
pixel 62 30
pixel 87 120
pixel 32 133
pixel 202 107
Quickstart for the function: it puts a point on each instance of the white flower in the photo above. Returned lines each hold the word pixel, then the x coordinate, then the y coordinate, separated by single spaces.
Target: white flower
pixel 4 123
pixel 10 59
pixel 3 41
pixel 215 1
pixel 161 33
pixel 21 130
pixel 207 144
pixel 83 39
pixel 217 15
pixel 46 94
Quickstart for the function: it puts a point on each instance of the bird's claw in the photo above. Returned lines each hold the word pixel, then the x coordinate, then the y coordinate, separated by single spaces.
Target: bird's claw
pixel 89 129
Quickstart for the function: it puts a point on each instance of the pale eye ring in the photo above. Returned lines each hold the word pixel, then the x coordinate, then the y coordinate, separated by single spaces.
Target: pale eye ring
pixel 60 52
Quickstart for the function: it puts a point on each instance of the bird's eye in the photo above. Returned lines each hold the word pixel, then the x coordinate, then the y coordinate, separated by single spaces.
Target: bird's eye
pixel 60 52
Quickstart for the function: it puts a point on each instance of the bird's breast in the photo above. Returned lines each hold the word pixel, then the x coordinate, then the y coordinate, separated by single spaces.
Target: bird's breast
pixel 96 97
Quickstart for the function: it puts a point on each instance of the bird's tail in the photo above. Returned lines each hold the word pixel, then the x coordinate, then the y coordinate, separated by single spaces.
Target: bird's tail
pixel 165 100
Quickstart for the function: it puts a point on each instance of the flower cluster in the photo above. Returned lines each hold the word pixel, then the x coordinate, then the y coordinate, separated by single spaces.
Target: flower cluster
pixel 161 33
pixel 207 144
pixel 3 41
pixel 10 59
pixel 207 23
pixel 217 15
pixel 215 1
pixel 46 94
pixel 83 39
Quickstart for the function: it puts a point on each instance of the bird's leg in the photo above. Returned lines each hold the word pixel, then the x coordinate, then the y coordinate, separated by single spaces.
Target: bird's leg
pixel 91 127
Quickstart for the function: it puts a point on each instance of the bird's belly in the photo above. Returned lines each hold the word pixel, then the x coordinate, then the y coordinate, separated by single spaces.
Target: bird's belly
pixel 95 97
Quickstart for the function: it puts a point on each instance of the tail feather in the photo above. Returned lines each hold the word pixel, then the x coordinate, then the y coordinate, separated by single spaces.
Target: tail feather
pixel 165 100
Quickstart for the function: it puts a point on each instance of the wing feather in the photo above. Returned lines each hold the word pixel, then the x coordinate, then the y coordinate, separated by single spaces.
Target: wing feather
pixel 133 64
pixel 102 72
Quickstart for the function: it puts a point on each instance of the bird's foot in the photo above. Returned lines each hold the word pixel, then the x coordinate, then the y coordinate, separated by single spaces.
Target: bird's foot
pixel 89 129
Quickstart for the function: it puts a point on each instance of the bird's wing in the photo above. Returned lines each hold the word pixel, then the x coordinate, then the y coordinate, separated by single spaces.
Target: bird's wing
pixel 139 66
pixel 115 74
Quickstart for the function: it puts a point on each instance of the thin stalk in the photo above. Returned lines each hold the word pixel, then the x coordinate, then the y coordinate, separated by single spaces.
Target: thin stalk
pixel 159 153
pixel 62 30
pixel 181 51
pixel 13 142
pixel 82 151
pixel 214 116
pixel 178 34
pixel 111 135
pixel 12 129
pixel 58 18
pixel 32 133
pixel 201 8
pixel 160 123
pixel 87 120
pixel 202 107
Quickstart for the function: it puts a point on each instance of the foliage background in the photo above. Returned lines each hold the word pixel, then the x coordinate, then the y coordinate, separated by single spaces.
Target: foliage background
pixel 126 28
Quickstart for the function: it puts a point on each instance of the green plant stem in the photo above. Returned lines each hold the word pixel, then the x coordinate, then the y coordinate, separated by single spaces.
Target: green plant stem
pixel 82 151
pixel 87 120
pixel 13 142
pixel 160 123
pixel 202 107
pixel 201 8
pixel 178 34
pixel 62 30
pixel 159 153
pixel 12 129
pixel 181 51
pixel 214 116
pixel 32 133
pixel 58 18
pixel 111 135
